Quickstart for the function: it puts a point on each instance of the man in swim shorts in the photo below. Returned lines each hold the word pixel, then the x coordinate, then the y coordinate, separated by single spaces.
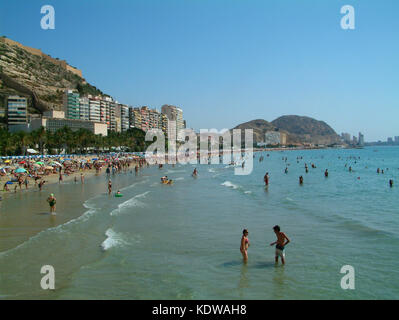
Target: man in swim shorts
pixel 280 244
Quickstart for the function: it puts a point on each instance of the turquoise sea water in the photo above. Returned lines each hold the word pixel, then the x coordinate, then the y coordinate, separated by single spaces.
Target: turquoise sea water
pixel 182 241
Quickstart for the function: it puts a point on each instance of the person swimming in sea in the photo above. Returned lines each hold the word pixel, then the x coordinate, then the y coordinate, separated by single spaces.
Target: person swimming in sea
pixel 195 172
pixel 52 202
pixel 286 170
pixel 391 183
pixel 244 245
pixel 282 241
pixel 326 173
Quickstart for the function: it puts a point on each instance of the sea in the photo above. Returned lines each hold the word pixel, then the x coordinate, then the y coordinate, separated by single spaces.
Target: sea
pixel 181 241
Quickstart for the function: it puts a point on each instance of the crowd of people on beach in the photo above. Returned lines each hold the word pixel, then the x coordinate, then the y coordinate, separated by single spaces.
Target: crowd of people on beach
pixel 23 173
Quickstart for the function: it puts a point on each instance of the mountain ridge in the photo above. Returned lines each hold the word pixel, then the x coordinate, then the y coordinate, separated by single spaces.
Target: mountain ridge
pixel 298 130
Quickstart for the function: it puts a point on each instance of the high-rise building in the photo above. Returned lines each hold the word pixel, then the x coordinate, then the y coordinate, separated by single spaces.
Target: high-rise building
pixel 84 109
pixel 145 119
pixel 17 110
pixel 396 139
pixel 390 140
pixel 103 112
pixel 134 118
pixel 346 137
pixel 361 139
pixel 71 104
pixel 124 116
pixel 354 140
pixel 174 114
pixel 94 109
pixel 108 112
pixel 112 115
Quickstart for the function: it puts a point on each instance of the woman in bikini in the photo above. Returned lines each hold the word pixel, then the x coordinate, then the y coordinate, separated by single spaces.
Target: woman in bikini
pixel 244 245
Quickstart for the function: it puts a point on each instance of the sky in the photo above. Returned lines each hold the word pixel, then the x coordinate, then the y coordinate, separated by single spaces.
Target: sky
pixel 225 62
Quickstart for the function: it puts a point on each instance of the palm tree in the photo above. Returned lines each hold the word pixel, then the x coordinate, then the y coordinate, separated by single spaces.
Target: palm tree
pixel 22 140
pixel 39 137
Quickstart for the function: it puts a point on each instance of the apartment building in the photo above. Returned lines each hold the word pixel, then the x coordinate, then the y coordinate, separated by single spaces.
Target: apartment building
pixel 94 109
pixel 124 114
pixel 71 104
pixel 84 109
pixel 17 110
pixel 174 113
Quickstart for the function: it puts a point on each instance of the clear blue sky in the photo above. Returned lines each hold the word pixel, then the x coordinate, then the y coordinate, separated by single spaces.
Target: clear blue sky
pixel 226 62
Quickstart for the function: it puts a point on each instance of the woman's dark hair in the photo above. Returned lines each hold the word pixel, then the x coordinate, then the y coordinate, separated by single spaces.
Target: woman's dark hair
pixel 276 228
pixel 244 231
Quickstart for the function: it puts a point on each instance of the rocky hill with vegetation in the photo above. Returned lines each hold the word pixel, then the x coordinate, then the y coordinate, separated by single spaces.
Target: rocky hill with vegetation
pixel 298 130
pixel 37 78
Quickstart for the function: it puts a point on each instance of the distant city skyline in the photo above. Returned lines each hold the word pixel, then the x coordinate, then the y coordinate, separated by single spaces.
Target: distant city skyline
pixel 228 62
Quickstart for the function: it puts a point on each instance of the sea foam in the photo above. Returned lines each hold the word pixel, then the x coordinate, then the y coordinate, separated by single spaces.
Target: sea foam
pixel 229 185
pixel 114 239
pixel 132 202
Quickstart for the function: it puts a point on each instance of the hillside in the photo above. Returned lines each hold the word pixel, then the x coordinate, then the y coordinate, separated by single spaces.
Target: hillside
pixel 259 127
pixel 298 130
pixel 306 130
pixel 37 76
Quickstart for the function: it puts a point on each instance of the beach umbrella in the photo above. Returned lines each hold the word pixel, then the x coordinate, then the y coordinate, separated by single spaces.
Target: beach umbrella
pixel 40 163
pixel 20 170
pixel 9 182
pixel 56 163
pixel 48 168
pixel 7 161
